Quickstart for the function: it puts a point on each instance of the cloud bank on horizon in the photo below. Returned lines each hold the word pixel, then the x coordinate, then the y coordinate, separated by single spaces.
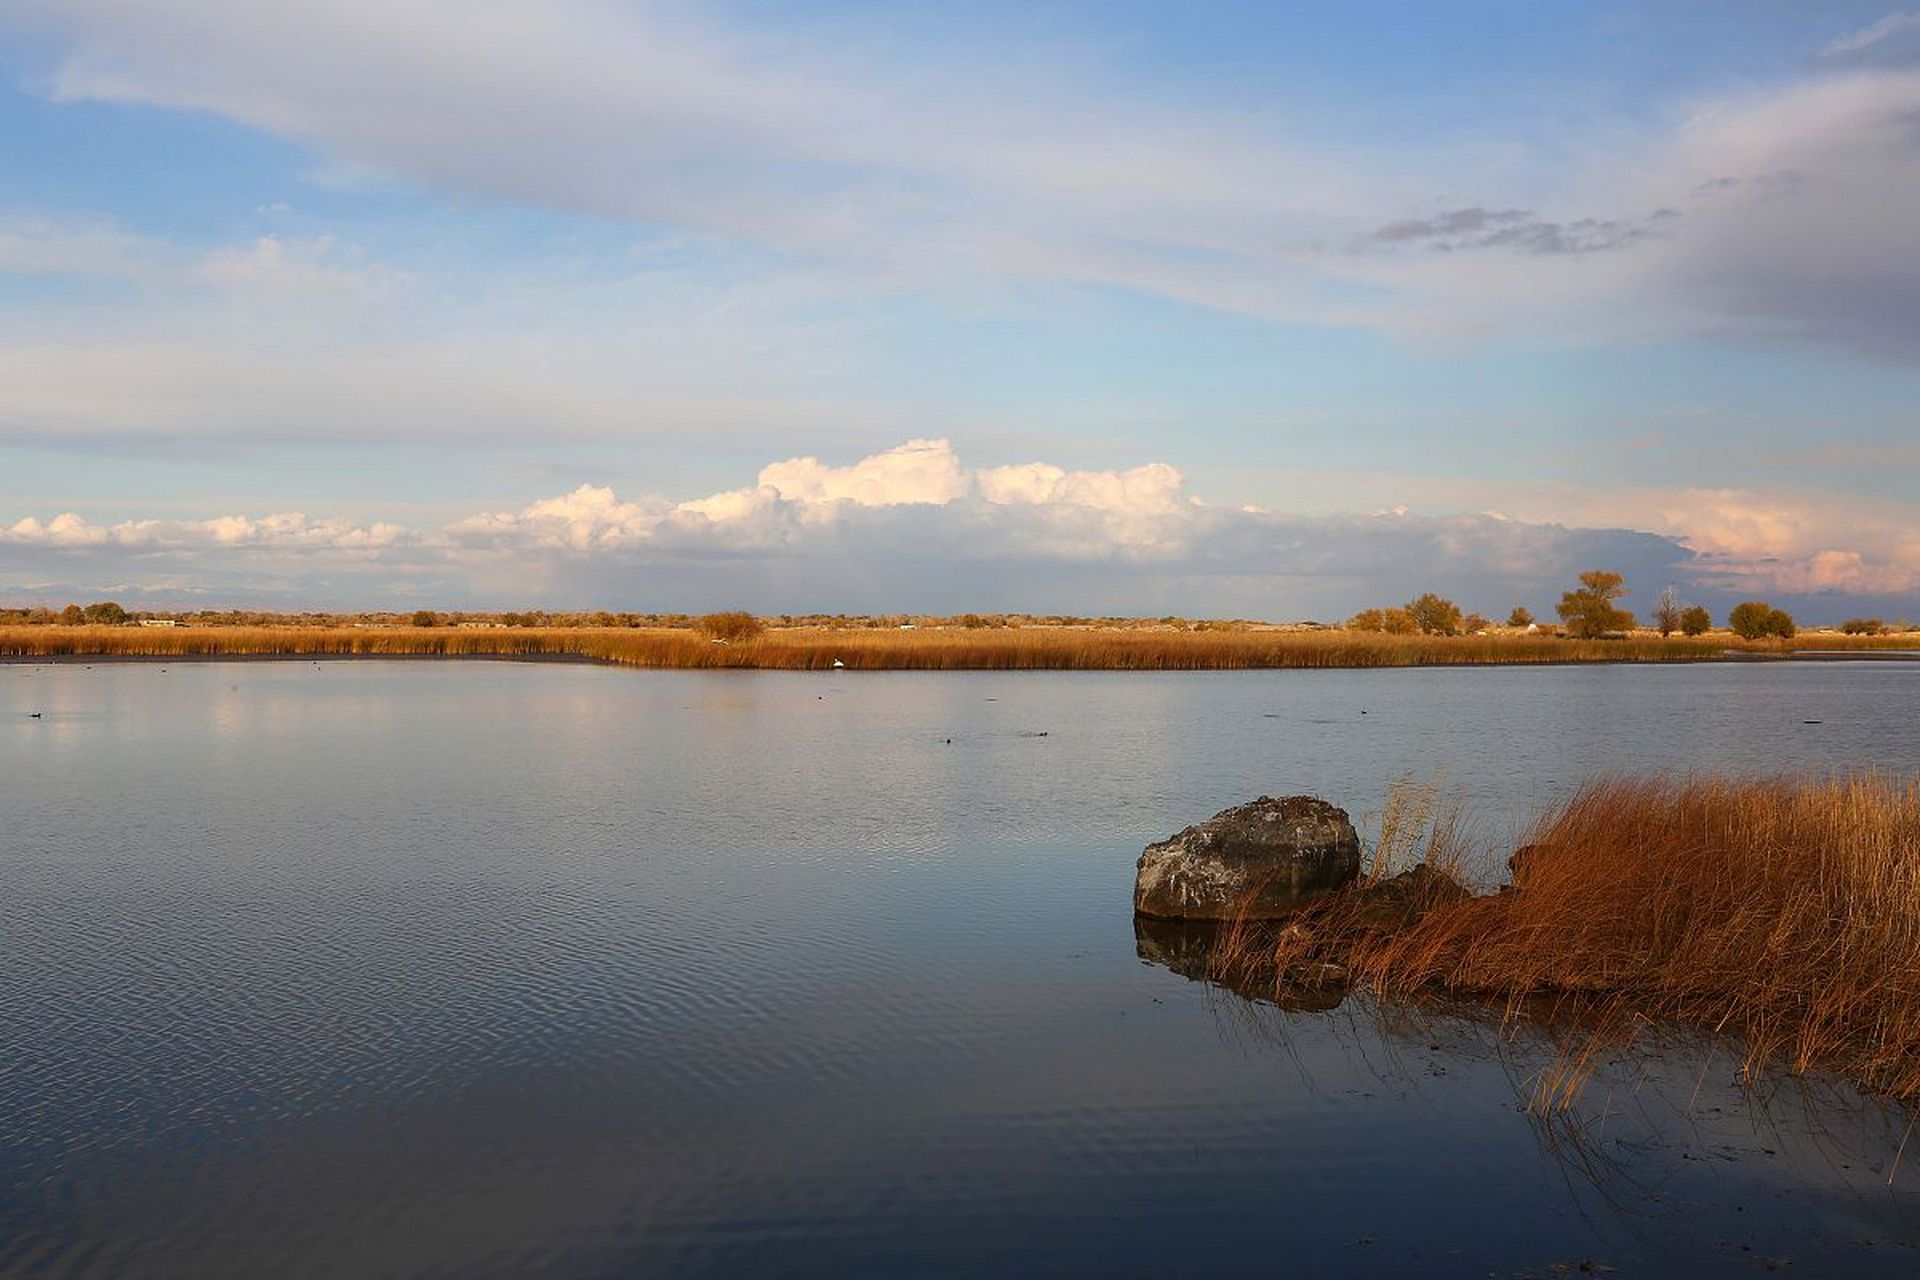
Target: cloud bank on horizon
pixel 910 528
pixel 1651 293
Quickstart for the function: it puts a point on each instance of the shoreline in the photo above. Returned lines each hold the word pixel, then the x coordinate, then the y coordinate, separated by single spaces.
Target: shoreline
pixel 576 658
pixel 925 649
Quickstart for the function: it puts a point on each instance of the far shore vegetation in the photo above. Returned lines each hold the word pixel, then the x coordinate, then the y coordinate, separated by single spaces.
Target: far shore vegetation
pixel 1783 912
pixel 1429 630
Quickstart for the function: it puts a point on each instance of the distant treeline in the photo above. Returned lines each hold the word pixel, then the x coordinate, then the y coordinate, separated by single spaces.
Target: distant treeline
pixel 110 613
pixel 1590 612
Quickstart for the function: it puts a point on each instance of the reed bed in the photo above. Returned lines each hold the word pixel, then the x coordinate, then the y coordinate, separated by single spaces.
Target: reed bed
pixel 663 647
pixel 1783 912
pixel 933 649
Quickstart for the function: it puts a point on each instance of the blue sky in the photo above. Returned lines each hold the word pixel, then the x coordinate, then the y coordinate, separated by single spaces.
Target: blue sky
pixel 1219 308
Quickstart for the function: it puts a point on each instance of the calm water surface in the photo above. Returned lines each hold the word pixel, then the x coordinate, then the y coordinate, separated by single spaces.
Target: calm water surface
pixel 449 969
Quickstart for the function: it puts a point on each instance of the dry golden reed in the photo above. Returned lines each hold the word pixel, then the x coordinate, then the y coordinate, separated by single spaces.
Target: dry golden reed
pixel 927 648
pixel 1783 912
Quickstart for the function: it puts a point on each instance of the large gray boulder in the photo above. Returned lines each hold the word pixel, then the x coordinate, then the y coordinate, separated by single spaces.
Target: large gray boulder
pixel 1257 861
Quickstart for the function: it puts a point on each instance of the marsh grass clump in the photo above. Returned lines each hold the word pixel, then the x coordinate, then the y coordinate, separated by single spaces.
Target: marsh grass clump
pixel 1784 912
pixel 732 626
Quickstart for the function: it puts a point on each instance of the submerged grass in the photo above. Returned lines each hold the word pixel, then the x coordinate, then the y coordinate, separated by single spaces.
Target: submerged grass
pixel 801 648
pixel 1784 912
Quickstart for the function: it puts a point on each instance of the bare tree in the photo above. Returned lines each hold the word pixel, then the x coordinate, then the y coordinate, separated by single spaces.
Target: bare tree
pixel 1666 614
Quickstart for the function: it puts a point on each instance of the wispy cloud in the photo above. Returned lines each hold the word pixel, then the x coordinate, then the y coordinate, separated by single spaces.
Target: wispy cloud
pixel 311 337
pixel 926 175
pixel 1898 28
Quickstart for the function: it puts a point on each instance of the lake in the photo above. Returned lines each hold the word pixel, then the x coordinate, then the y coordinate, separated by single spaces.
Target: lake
pixel 366 968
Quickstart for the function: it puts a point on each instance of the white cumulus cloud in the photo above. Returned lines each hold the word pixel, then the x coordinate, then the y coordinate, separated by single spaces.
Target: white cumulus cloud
pixel 917 471
pixel 1030 507
pixel 286 531
pixel 909 527
pixel 916 527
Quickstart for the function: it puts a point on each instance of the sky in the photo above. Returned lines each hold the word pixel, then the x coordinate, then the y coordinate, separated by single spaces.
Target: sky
pixel 1210 308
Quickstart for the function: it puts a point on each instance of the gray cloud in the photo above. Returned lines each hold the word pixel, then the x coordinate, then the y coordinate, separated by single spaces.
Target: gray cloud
pixel 1519 231
pixel 1806 233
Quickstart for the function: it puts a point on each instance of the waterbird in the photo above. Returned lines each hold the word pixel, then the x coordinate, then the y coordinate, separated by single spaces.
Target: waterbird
pixel 33 715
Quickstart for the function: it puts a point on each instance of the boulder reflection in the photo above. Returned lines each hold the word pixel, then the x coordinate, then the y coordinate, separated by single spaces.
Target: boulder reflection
pixel 1189 948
